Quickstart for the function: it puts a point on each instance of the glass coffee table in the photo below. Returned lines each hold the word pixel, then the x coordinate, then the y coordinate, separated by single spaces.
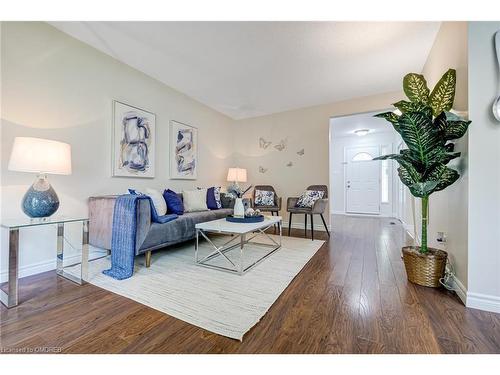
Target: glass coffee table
pixel 9 290
pixel 242 235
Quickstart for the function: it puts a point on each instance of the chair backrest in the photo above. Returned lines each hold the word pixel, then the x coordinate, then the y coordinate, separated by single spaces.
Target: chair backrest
pixel 265 188
pixel 319 188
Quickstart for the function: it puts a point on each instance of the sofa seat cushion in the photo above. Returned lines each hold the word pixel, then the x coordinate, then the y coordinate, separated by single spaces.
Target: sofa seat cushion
pixel 181 229
pixel 223 212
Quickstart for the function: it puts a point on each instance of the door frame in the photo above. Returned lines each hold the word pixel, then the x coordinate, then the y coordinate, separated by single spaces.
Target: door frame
pixel 330 150
pixel 400 205
pixel 345 162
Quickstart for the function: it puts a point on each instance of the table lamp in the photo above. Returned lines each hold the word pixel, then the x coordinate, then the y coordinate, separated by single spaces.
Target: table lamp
pixel 236 175
pixel 41 156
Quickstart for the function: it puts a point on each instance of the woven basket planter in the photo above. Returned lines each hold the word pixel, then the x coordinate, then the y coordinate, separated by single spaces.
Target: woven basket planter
pixel 424 269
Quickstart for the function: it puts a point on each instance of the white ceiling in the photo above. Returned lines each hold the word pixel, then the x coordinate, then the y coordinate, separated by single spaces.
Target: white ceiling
pixel 248 69
pixel 346 125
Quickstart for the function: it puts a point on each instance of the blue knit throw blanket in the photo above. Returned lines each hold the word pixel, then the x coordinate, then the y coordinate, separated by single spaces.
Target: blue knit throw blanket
pixel 123 236
pixel 124 232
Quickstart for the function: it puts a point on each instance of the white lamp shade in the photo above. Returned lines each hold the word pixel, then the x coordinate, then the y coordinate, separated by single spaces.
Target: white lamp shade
pixel 237 175
pixel 40 156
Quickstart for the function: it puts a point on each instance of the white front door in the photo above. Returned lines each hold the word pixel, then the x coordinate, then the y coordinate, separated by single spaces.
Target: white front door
pixel 362 180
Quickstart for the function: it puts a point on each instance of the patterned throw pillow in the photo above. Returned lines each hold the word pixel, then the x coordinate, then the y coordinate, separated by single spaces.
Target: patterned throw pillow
pixel 213 198
pixel 309 197
pixel 264 198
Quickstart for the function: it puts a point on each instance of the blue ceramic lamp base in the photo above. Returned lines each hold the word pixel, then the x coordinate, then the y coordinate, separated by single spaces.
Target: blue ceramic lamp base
pixel 41 199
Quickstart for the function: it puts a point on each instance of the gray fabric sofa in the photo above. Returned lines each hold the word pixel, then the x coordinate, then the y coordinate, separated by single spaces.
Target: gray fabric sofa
pixel 150 235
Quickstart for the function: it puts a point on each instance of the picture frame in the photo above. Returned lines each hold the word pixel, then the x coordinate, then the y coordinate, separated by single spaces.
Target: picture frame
pixel 133 141
pixel 183 151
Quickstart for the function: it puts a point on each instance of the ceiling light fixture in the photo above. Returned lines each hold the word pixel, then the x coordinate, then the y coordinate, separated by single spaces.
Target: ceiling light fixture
pixel 361 132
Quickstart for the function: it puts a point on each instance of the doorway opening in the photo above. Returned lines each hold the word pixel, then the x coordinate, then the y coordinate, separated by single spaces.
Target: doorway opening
pixel 360 185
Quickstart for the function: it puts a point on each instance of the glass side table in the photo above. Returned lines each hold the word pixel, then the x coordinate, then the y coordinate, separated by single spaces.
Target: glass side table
pixel 9 295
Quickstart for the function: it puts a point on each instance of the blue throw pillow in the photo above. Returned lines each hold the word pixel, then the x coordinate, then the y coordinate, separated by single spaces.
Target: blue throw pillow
pixel 154 214
pixel 174 203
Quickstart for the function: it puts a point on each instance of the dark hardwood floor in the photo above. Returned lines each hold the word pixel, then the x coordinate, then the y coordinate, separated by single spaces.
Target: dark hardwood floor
pixel 352 297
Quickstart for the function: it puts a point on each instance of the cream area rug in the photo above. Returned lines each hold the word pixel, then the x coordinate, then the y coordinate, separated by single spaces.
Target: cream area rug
pixel 221 302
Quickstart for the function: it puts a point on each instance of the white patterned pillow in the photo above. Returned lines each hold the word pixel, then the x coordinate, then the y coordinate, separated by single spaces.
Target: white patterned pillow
pixel 264 198
pixel 309 197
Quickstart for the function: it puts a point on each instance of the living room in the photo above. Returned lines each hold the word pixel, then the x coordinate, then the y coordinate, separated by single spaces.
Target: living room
pixel 197 187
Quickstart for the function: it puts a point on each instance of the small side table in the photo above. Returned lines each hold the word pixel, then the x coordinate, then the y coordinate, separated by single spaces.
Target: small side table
pixel 10 297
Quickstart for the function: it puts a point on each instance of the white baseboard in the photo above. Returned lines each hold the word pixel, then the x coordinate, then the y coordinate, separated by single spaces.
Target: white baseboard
pixel 338 212
pixel 460 289
pixel 359 215
pixel 46 265
pixel 31 269
pixel 483 302
pixel 408 228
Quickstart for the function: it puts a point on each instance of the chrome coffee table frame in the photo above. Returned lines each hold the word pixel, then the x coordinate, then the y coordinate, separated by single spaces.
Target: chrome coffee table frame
pixel 240 237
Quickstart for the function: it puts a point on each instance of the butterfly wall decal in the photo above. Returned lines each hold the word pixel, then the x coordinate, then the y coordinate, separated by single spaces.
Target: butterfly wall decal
pixel 262 169
pixel 263 143
pixel 280 146
pixel 289 164
pixel 300 152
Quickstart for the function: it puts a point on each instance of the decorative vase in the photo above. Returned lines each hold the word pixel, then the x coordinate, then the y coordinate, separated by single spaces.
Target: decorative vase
pixel 239 208
pixel 424 269
pixel 41 199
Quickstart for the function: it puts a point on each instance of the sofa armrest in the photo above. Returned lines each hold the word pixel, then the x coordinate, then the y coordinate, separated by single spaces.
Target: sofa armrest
pixel 143 223
pixel 319 206
pixel 101 221
pixel 291 202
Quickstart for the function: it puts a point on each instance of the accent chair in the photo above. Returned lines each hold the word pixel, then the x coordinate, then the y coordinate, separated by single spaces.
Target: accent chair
pixel 275 208
pixel 318 208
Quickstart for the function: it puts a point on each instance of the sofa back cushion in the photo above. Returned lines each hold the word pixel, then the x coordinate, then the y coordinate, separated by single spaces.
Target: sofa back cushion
pixel 227 200
pixel 195 200
pixel 158 201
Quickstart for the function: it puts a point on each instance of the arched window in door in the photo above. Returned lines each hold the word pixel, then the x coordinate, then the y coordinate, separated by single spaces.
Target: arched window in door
pixel 362 156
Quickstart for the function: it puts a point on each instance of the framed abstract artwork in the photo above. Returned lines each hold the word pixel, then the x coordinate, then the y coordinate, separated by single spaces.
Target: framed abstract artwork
pixel 183 151
pixel 134 136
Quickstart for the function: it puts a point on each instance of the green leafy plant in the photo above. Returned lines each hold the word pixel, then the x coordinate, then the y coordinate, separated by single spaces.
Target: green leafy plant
pixel 427 127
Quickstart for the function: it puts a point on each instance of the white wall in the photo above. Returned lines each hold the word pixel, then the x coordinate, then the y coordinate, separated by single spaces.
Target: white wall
pixel 448 208
pixel 56 87
pixel 484 170
pixel 337 166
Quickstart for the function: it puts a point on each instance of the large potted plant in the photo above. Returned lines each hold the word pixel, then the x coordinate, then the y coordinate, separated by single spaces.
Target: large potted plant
pixel 428 129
